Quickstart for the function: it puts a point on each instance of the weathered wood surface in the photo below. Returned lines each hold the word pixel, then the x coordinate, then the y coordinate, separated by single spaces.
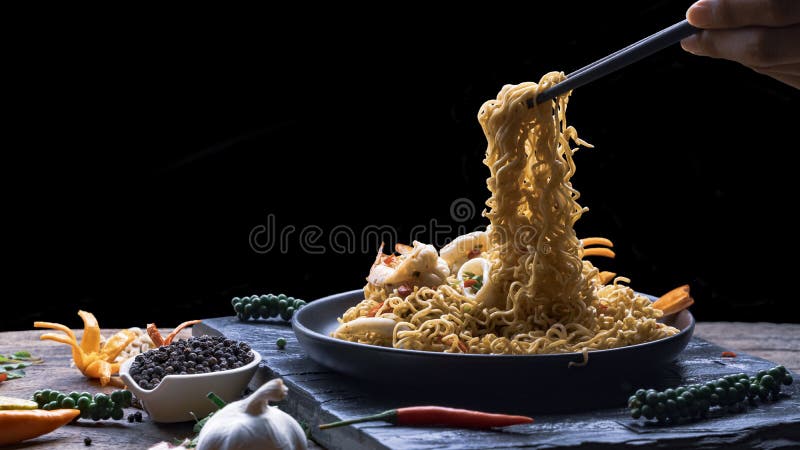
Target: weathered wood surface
pixel 775 342
pixel 56 373
pixel 318 395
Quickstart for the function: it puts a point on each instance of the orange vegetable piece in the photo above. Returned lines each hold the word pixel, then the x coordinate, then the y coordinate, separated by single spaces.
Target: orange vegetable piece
pixel 606 277
pixel 675 300
pixel 19 425
pixel 608 253
pixel 374 310
pixel 596 241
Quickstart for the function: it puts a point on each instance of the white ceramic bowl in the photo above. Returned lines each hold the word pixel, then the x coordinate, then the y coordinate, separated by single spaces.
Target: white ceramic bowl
pixel 179 395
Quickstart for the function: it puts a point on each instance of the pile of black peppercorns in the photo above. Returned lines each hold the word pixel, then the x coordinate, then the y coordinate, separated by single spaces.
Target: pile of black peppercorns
pixel 202 354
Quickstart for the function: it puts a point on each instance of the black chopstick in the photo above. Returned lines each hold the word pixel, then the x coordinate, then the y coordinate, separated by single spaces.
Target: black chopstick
pixel 618 60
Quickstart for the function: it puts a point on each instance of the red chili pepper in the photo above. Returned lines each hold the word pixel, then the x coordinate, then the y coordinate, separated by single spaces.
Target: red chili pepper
pixel 463 347
pixel 728 355
pixel 388 260
pixel 3 377
pixel 469 282
pixel 438 415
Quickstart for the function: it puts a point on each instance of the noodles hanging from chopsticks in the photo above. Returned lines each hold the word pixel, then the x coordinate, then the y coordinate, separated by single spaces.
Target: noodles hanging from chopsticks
pixel 537 294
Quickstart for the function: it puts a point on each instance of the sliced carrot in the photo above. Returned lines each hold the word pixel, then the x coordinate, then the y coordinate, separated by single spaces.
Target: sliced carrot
pixel 374 310
pixel 675 294
pixel 674 300
pixel 605 277
pixel 679 306
pixel 596 241
pixel 728 355
pixel 599 252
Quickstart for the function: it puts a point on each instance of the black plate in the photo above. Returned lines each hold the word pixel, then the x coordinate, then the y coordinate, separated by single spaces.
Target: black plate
pixel 546 376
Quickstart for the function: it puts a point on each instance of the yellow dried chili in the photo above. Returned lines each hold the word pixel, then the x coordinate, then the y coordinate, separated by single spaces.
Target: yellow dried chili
pixel 92 359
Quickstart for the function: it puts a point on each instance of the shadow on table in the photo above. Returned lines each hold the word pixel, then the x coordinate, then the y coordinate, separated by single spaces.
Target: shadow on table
pixel 574 392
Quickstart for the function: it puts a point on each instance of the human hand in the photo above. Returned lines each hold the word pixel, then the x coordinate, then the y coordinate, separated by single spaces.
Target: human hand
pixel 764 35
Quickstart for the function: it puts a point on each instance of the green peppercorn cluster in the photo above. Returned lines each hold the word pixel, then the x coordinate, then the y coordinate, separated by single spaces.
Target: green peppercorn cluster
pixel 266 306
pixel 727 394
pixel 95 407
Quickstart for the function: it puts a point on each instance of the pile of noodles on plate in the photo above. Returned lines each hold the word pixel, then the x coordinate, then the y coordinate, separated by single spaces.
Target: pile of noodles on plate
pixel 522 286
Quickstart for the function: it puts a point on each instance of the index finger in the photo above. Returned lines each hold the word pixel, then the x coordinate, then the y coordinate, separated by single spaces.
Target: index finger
pixel 711 14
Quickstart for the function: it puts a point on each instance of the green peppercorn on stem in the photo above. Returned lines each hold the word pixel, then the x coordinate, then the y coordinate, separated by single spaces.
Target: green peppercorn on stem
pixel 266 306
pixel 88 405
pixel 728 394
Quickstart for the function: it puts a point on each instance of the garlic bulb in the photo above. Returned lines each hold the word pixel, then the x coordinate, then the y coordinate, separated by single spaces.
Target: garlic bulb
pixel 252 424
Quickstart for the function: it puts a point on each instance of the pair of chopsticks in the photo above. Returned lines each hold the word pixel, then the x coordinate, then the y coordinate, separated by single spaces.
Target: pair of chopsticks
pixel 618 60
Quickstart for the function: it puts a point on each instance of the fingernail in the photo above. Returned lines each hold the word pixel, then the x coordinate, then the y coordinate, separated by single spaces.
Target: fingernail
pixel 691 44
pixel 701 14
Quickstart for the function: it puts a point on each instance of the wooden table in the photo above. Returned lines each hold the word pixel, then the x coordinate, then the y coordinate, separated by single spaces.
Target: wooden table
pixel 56 373
pixel 777 342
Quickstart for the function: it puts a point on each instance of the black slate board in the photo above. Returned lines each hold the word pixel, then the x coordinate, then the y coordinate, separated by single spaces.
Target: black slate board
pixel 318 395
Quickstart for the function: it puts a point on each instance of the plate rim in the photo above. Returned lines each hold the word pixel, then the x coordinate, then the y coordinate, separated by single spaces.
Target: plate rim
pixel 299 327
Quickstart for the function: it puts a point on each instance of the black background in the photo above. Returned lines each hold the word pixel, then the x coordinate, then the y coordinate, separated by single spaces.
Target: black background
pixel 150 148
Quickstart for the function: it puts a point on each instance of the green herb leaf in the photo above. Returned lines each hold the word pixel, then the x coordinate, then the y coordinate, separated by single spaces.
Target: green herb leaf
pixel 15 374
pixel 16 366
pixel 19 357
pixel 202 422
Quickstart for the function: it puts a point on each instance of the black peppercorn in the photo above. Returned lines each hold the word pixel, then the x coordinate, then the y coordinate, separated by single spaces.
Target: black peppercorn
pixel 202 354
